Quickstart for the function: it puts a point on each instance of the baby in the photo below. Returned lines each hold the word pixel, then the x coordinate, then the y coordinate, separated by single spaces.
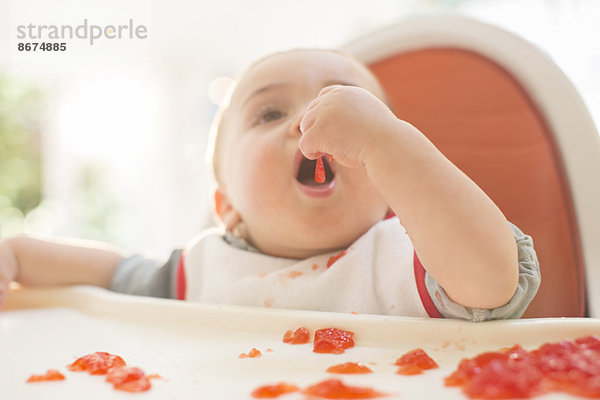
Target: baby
pixel 291 242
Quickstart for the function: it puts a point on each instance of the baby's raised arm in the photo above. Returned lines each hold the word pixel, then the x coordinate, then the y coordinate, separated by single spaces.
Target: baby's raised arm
pixel 459 234
pixel 36 262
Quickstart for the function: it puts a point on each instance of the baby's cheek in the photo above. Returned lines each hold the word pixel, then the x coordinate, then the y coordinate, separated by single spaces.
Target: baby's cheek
pixel 257 180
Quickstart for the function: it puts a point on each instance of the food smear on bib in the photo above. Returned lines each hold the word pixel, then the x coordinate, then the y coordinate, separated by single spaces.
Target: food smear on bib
pixel 335 257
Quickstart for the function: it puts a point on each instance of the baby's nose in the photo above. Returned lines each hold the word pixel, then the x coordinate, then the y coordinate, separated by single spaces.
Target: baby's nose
pixel 294 128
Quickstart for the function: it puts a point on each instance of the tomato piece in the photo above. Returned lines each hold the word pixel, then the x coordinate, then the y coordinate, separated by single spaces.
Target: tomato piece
pixel 417 357
pixel 349 368
pixel 300 336
pixel 251 354
pixel 332 340
pixel 128 379
pixel 97 363
pixel 272 391
pixel 409 369
pixel 336 389
pixel 320 171
pixel 50 375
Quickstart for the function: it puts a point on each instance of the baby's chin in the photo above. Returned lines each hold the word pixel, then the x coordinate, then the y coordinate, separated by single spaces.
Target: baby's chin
pixel 303 249
pixel 302 240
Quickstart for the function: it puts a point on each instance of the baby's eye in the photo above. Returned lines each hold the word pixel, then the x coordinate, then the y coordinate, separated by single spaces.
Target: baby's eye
pixel 270 115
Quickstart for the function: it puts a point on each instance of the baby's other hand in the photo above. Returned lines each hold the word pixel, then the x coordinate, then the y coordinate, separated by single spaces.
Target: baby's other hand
pixel 344 122
pixel 8 268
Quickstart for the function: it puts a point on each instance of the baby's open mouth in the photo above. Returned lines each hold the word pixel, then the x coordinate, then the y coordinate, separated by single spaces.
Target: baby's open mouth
pixel 306 172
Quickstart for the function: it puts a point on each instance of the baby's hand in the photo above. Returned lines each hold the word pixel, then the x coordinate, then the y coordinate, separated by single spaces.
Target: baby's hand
pixel 344 122
pixel 8 269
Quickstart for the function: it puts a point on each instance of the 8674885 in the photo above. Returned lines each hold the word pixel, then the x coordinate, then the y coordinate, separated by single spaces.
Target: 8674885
pixel 43 46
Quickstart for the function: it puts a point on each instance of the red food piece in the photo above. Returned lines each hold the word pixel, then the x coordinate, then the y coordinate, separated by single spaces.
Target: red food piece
pixel 50 375
pixel 300 336
pixel 468 368
pixel 320 171
pixel 336 389
pixel 418 358
pixel 251 354
pixel 567 366
pixel 336 257
pixel 128 379
pixel 97 363
pixel 505 380
pixel 332 340
pixel 409 369
pixel 272 391
pixel 349 368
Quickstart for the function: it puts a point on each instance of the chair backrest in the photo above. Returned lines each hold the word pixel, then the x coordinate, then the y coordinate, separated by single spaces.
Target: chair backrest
pixel 504 113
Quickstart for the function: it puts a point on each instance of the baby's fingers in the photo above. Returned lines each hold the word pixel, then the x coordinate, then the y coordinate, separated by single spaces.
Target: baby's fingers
pixel 311 152
pixel 328 89
pixel 3 291
pixel 309 116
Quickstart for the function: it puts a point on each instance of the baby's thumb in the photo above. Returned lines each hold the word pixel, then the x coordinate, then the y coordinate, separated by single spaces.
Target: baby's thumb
pixel 308 149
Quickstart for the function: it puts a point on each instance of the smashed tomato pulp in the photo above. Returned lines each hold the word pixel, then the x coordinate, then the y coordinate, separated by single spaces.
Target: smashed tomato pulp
pixel 320 171
pixel 272 391
pixel 97 363
pixel 300 336
pixel 128 379
pixel 567 366
pixel 50 375
pixel 336 389
pixel 414 362
pixel 349 368
pixel 332 340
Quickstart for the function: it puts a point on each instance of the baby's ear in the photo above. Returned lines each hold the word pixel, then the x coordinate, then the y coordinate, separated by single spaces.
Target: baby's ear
pixel 222 206
pixel 228 215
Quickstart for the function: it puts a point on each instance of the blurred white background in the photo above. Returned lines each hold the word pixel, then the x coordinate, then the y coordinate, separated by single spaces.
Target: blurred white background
pixel 124 123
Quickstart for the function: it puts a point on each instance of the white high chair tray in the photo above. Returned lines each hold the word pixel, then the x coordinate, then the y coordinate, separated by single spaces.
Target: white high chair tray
pixel 195 347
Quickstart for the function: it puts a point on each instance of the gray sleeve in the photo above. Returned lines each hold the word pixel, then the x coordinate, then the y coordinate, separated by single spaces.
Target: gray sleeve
pixel 529 282
pixel 146 277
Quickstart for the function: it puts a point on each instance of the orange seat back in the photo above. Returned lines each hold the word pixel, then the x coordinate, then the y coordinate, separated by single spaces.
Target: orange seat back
pixel 482 119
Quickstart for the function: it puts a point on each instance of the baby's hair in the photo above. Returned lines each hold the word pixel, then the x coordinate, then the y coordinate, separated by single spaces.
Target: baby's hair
pixel 216 130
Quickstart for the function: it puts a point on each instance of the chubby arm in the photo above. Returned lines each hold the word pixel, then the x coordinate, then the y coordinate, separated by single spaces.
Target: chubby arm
pixel 36 262
pixel 459 234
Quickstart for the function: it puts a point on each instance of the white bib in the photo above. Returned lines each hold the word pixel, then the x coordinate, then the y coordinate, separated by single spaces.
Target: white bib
pixel 375 275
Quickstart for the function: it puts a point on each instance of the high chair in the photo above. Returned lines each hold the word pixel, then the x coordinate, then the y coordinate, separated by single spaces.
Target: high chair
pixel 502 111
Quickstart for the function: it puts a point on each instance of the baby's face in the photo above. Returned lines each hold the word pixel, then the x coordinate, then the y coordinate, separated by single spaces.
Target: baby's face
pixel 263 174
